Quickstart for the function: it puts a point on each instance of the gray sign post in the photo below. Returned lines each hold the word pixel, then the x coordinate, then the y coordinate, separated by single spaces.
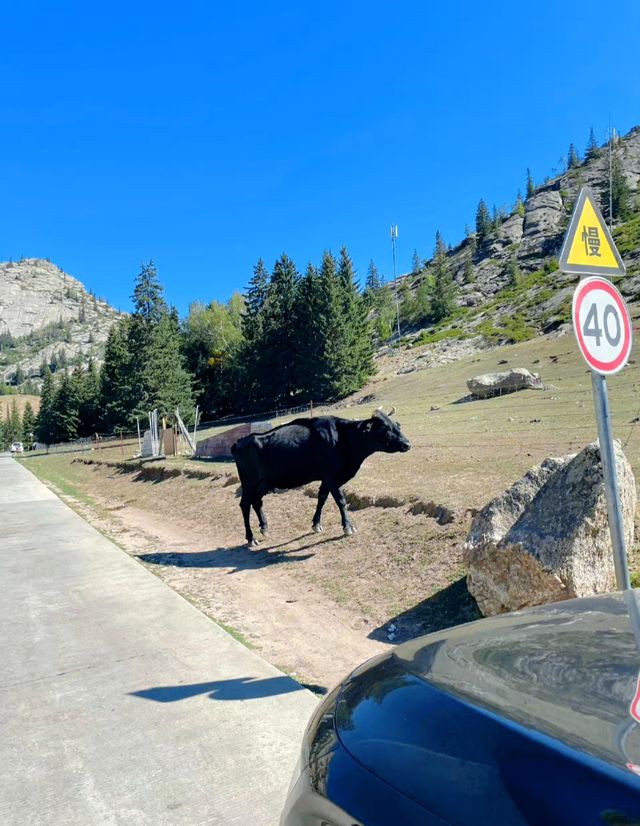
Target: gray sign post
pixel 602 326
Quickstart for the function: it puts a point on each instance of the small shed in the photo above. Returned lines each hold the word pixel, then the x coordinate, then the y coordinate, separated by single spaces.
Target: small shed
pixel 219 447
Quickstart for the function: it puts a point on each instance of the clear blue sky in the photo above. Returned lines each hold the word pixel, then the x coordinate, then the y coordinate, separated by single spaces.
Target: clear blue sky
pixel 205 134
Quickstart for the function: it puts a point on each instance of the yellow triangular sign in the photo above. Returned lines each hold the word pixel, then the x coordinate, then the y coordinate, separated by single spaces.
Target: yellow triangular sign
pixel 588 247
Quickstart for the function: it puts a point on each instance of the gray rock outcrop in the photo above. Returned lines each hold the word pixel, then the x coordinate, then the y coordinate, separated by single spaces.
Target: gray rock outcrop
pixel 498 384
pixel 547 537
pixel 36 296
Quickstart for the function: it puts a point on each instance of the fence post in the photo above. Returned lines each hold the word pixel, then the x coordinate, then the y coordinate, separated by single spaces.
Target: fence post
pixel 311 408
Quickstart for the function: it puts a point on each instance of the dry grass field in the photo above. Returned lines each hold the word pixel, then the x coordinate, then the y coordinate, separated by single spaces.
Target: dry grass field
pixel 317 605
pixel 7 401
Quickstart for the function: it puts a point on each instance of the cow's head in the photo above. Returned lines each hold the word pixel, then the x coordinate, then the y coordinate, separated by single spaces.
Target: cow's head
pixel 387 434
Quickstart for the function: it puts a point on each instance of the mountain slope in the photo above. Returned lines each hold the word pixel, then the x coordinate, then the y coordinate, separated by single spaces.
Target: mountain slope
pixel 47 316
pixel 508 287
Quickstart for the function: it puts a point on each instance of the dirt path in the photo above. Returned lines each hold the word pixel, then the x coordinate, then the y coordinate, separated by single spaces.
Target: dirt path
pixel 314 605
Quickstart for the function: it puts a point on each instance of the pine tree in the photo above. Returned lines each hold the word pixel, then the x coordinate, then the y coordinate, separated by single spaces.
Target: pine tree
pixel 12 431
pixel 416 263
pixel 442 289
pixel 422 300
pixel 405 299
pixel 530 186
pixel 592 150
pixel 307 335
pixel 572 157
pixel 64 411
pixel 620 192
pixel 519 208
pixel 483 222
pixel 374 281
pixel 118 384
pixel 254 299
pixel 167 383
pixel 44 425
pixel 469 275
pixel 440 246
pixel 358 342
pixel 277 382
pixel 148 300
pixel 90 404
pixel 28 425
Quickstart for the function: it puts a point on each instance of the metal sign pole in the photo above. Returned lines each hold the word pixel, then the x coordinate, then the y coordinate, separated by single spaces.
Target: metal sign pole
pixel 608 458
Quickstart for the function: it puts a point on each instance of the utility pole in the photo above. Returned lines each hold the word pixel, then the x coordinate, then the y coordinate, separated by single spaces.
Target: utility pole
pixel 394 239
pixel 610 177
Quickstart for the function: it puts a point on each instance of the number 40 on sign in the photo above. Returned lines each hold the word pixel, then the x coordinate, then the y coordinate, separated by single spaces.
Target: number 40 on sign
pixel 602 325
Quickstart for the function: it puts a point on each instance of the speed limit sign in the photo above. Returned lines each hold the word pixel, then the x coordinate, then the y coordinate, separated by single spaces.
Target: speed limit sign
pixel 602 325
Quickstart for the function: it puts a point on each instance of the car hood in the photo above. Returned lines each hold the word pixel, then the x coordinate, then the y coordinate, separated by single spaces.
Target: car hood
pixel 536 703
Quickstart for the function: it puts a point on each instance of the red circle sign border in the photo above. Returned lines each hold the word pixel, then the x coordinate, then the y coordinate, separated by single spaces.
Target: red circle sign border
pixel 582 291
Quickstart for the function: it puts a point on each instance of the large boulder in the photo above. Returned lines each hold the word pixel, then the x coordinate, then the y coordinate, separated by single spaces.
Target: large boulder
pixel 497 384
pixel 547 537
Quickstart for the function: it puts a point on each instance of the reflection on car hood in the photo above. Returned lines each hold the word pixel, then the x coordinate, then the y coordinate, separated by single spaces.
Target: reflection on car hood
pixel 569 670
pixel 494 712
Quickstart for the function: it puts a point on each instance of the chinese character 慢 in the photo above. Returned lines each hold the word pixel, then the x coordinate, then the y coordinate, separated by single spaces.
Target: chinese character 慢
pixel 591 240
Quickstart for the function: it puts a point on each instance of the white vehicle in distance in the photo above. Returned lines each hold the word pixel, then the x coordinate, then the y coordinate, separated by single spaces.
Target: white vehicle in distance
pixel 17 447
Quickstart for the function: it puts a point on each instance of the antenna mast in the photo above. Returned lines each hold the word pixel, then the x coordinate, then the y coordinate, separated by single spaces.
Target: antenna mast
pixel 394 238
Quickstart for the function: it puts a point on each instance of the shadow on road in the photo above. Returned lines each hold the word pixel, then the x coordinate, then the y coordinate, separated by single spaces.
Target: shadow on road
pixel 452 605
pixel 240 688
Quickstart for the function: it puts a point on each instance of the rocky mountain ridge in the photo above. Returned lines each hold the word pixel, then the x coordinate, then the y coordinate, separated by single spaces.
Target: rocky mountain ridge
pixel 508 287
pixel 47 316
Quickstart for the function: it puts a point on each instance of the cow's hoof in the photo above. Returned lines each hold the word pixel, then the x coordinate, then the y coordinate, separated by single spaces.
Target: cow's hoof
pixel 264 531
pixel 253 544
pixel 317 528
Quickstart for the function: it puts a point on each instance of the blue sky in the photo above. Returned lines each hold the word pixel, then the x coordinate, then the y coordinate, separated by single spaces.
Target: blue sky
pixel 205 135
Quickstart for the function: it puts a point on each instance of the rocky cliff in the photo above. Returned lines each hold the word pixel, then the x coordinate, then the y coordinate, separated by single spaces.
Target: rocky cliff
pixel 47 316
pixel 507 286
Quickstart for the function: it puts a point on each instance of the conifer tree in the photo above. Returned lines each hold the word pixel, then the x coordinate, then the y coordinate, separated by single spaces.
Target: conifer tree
pixel 572 157
pixel 118 391
pixel 620 192
pixel 12 431
pixel 416 263
pixel 519 208
pixel 483 222
pixel 440 246
pixel 64 411
pixel 530 186
pixel 167 383
pixel 374 281
pixel 422 300
pixel 592 146
pixel 277 382
pixel 90 400
pixel 28 425
pixel 469 275
pixel 44 426
pixel 442 290
pixel 358 344
pixel 254 299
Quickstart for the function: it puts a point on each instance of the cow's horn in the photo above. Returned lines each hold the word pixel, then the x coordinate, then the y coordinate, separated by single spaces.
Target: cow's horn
pixel 392 411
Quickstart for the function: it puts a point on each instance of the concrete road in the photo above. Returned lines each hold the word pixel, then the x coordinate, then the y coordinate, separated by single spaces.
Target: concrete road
pixel 121 703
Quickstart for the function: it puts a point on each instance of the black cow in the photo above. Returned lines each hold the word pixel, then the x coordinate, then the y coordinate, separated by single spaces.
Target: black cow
pixel 326 449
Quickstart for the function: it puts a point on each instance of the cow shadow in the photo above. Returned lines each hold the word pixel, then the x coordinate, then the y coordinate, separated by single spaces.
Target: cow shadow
pixel 450 606
pixel 238 558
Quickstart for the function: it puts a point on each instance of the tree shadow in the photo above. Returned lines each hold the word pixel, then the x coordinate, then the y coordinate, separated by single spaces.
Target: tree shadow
pixel 240 688
pixel 451 606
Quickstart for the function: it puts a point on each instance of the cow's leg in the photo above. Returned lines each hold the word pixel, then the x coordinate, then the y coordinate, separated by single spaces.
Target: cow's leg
pixel 347 525
pixel 262 519
pixel 316 525
pixel 245 507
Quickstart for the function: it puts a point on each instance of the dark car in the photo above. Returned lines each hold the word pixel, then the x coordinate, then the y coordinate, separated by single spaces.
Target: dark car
pixel 524 718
